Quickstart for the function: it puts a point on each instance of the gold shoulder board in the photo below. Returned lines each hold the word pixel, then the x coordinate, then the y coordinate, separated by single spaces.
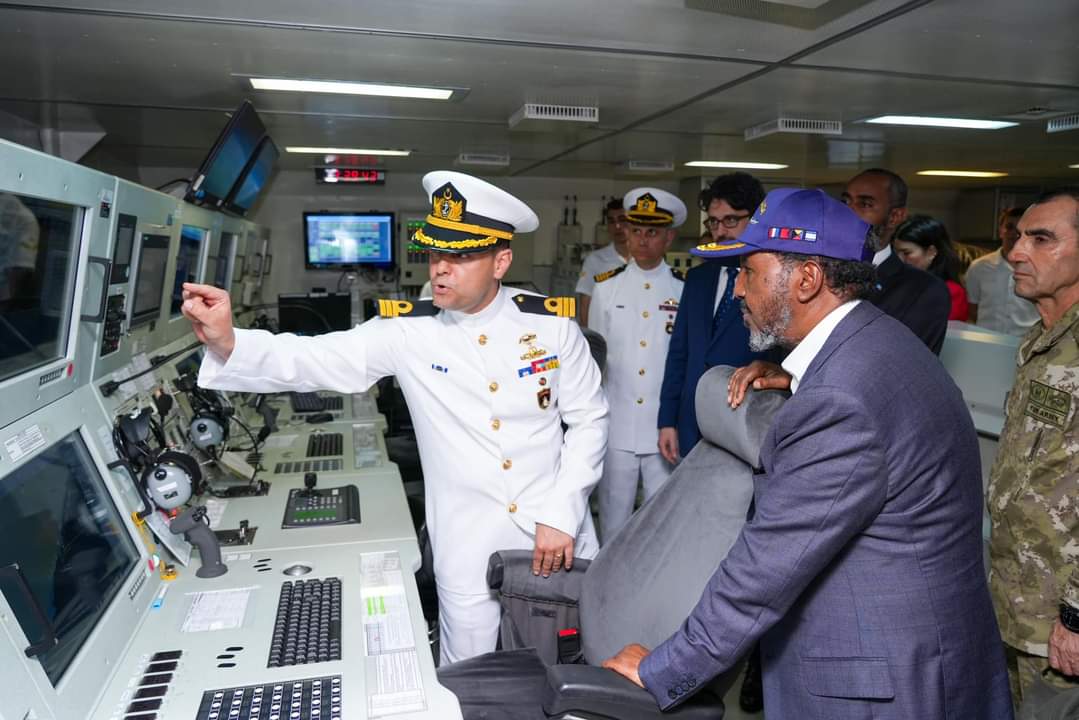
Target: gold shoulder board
pixel 609 274
pixel 558 306
pixel 406 308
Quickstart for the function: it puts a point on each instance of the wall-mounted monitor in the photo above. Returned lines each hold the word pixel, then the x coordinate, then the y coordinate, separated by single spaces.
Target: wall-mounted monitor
pixel 253 179
pixel 149 278
pixel 228 157
pixel 348 240
pixel 314 314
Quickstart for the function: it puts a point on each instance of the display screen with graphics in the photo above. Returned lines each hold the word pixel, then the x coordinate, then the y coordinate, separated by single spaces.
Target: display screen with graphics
pixel 340 241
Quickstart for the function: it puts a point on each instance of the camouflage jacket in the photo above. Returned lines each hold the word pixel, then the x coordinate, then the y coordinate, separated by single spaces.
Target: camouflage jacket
pixel 1034 489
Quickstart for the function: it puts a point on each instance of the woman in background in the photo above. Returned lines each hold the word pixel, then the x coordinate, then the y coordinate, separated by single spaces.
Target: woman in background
pixel 923 242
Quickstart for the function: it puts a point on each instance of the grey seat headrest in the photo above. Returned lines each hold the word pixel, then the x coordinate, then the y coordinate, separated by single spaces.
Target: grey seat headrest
pixel 739 432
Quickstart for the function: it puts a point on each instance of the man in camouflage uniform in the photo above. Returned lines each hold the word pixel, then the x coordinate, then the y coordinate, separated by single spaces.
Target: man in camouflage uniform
pixel 1034 484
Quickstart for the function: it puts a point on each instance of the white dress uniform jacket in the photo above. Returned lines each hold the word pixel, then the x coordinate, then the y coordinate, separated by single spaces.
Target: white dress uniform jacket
pixel 635 310
pixel 488 393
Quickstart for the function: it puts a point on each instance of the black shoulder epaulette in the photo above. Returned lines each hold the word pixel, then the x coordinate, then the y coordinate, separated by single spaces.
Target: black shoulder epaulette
pixel 609 274
pixel 539 305
pixel 678 275
pixel 406 308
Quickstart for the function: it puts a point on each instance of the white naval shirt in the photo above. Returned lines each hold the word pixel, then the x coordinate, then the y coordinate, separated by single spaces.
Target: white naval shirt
pixel 634 311
pixel 596 262
pixel 488 393
pixel 991 286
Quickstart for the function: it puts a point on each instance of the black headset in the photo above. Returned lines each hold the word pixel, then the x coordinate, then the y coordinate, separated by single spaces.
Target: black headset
pixel 166 478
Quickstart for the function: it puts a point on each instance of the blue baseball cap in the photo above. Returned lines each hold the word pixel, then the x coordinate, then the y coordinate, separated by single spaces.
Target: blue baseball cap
pixel 806 222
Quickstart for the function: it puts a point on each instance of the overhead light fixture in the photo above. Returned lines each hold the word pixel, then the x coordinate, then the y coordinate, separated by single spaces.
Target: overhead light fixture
pixel 736 165
pixel 941 122
pixel 964 173
pixel 1075 166
pixel 346 151
pixel 353 88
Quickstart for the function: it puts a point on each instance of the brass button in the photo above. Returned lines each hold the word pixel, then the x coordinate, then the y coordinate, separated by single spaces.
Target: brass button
pixel 641 371
pixel 640 401
pixel 495 424
pixel 493 387
pixel 512 508
pixel 644 314
pixel 483 339
pixel 648 286
pixel 507 464
pixel 644 344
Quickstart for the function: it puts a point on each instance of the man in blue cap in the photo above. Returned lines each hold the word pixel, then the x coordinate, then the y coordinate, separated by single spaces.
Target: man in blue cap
pixel 860 569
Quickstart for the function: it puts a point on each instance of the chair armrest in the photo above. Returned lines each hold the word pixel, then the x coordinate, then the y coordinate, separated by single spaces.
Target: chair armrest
pixel 510 573
pixel 596 690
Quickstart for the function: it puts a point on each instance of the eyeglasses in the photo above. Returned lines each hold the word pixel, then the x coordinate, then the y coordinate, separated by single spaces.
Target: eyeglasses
pixel 727 221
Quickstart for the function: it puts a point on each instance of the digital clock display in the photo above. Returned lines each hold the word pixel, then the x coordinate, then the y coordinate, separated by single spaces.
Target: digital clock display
pixel 361 176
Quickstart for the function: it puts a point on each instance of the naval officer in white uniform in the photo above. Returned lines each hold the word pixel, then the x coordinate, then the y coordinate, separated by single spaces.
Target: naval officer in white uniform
pixel 490 375
pixel 608 257
pixel 634 308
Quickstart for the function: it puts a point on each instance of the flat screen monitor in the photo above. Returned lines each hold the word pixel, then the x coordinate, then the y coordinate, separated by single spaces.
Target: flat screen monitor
pixel 150 278
pixel 188 257
pixel 253 179
pixel 190 364
pixel 64 536
pixel 314 314
pixel 348 240
pixel 227 158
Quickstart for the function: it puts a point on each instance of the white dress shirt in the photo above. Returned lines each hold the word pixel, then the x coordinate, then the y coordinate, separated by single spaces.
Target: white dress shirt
pixel 488 393
pixel 596 262
pixel 882 255
pixel 635 311
pixel 991 286
pixel 801 357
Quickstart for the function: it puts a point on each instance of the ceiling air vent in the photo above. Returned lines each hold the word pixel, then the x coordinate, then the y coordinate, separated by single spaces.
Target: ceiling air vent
pixel 648 166
pixel 1062 124
pixel 538 115
pixel 486 159
pixel 799 126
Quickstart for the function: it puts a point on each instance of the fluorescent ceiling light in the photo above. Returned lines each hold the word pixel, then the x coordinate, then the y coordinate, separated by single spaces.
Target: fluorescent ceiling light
pixel 1074 167
pixel 347 151
pixel 352 88
pixel 945 122
pixel 964 173
pixel 738 165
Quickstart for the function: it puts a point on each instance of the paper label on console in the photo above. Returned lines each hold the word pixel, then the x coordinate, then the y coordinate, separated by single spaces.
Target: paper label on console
pixel 24 443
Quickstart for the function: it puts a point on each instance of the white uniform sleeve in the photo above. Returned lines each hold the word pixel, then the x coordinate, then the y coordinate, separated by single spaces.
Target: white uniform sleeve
pixel 583 408
pixel 346 362
pixel 597 309
pixel 586 283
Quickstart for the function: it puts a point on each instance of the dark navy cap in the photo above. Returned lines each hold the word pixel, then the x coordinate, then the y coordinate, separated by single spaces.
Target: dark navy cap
pixel 806 222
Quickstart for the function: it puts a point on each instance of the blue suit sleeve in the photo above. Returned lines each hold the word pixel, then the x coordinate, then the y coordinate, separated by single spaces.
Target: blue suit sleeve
pixel 674 373
pixel 827 483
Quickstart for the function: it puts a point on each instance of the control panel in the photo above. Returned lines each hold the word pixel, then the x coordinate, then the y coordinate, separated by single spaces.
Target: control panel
pixel 322 506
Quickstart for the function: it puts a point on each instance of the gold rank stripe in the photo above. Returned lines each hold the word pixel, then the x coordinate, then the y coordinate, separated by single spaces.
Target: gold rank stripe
pixel 394 308
pixel 561 306
pixel 469 228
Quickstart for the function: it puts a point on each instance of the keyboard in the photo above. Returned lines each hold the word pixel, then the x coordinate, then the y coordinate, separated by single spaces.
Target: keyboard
pixel 308 624
pixel 325 444
pixel 313 402
pixel 310 699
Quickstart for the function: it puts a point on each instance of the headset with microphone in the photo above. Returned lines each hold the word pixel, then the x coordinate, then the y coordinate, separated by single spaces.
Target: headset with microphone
pixel 166 478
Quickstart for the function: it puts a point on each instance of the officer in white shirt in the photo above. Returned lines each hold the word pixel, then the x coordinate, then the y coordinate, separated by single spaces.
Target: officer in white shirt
pixel 633 308
pixel 490 375
pixel 610 256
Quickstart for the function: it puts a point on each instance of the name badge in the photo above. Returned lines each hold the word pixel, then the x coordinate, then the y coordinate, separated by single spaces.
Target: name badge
pixel 1048 404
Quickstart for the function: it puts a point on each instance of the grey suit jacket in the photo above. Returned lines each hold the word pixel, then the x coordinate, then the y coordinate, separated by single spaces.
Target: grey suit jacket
pixel 861 570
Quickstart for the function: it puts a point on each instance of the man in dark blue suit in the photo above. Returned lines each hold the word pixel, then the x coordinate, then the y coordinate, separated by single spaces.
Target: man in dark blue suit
pixel 708 329
pixel 860 569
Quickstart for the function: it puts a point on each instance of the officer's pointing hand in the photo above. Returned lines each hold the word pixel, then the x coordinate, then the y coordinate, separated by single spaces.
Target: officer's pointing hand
pixel 210 312
pixel 554 549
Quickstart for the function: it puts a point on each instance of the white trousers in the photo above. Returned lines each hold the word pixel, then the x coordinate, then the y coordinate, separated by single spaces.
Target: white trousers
pixel 618 486
pixel 467 624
